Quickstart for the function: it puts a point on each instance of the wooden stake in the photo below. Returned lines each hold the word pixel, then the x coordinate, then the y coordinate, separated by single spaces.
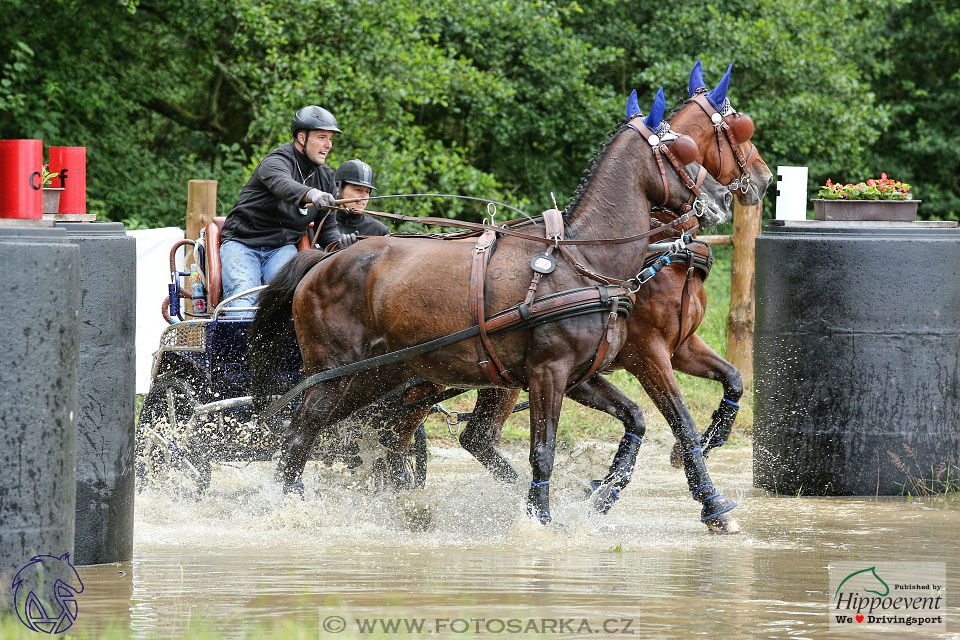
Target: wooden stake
pixel 201 208
pixel 740 321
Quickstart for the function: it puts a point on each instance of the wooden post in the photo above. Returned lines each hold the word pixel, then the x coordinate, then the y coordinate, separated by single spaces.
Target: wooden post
pixel 740 321
pixel 201 208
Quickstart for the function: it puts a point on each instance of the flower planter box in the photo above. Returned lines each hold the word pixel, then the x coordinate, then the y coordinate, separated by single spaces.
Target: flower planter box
pixel 51 199
pixel 879 210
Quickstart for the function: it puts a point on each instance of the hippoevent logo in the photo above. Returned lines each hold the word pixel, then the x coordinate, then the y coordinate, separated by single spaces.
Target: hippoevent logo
pixel 45 593
pixel 887 596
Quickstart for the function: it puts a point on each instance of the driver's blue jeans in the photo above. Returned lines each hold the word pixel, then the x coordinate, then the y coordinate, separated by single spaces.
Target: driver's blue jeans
pixel 244 267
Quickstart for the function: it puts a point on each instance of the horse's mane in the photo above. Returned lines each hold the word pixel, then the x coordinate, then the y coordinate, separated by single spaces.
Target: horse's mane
pixel 589 174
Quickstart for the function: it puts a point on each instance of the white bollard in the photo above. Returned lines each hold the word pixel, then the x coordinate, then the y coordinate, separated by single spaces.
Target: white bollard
pixel 792 196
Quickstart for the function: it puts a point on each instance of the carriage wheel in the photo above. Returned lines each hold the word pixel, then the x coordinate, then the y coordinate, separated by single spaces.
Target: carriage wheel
pixel 162 441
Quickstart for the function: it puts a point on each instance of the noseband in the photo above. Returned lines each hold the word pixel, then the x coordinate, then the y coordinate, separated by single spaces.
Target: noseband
pixel 660 149
pixel 723 130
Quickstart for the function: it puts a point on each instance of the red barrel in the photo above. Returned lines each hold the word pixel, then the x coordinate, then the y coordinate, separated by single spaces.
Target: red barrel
pixel 71 164
pixel 21 186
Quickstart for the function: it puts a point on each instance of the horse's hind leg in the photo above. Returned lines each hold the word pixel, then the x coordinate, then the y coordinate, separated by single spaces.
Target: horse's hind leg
pixel 599 393
pixel 482 433
pixel 661 385
pixel 298 440
pixel 696 358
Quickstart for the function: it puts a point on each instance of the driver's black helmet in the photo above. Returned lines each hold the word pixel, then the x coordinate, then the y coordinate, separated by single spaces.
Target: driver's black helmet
pixel 355 172
pixel 313 118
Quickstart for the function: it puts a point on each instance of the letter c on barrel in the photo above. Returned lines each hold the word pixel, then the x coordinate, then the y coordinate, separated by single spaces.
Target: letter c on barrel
pixel 33 183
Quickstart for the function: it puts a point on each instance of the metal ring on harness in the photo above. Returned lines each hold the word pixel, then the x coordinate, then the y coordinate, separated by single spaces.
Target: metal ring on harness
pixel 698 207
pixel 492 212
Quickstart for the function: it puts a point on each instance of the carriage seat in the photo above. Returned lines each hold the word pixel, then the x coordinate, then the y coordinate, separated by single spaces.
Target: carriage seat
pixel 212 258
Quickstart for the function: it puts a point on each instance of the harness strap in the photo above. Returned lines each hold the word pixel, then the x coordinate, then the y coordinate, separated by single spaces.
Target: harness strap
pixel 504 230
pixel 605 339
pixel 488 360
pixel 553 224
pixel 684 302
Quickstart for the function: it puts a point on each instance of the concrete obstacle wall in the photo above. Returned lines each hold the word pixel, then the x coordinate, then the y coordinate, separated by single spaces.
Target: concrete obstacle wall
pixel 40 300
pixel 107 395
pixel 857 356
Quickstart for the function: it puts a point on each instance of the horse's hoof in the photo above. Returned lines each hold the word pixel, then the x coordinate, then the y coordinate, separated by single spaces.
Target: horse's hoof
pixel 715 514
pixel 590 488
pixel 294 488
pixel 724 524
pixel 676 459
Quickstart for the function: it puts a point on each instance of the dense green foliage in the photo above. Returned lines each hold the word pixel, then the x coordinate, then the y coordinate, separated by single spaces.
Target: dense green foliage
pixel 503 99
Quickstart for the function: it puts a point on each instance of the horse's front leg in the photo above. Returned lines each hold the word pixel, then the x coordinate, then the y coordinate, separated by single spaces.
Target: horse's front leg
pixel 656 376
pixel 696 358
pixel 546 397
pixel 481 436
pixel 599 393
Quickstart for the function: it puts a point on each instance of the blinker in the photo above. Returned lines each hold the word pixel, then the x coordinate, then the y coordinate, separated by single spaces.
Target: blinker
pixel 684 149
pixel 742 127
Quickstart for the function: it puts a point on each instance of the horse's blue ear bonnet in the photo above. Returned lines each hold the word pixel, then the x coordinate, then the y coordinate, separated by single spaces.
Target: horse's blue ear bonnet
pixel 633 108
pixel 718 96
pixel 654 121
pixel 696 80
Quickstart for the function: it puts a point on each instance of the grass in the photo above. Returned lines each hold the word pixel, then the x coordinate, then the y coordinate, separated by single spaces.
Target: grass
pixel 701 396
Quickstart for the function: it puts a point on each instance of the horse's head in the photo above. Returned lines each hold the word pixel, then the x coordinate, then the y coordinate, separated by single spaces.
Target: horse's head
pixel 682 184
pixel 723 137
pixel 45 591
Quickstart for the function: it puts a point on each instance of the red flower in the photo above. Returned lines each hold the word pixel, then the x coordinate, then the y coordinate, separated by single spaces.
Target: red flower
pixel 871 182
pixel 829 182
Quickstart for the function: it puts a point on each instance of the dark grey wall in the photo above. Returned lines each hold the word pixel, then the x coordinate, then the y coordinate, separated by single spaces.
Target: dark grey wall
pixel 856 357
pixel 39 302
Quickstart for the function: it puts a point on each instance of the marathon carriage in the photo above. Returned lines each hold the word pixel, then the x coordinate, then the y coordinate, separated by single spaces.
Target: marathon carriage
pixel 199 409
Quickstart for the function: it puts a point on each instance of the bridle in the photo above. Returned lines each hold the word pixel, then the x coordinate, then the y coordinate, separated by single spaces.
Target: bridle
pixel 661 149
pixel 723 131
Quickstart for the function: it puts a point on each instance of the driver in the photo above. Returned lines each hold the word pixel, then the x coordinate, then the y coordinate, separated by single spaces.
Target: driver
pixel 261 231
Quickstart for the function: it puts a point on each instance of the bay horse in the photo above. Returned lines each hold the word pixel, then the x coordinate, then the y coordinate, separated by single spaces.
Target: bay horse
pixel 385 294
pixel 661 330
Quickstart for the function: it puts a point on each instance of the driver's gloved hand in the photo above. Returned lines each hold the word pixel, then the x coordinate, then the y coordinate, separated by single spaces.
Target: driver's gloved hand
pixel 321 198
pixel 347 239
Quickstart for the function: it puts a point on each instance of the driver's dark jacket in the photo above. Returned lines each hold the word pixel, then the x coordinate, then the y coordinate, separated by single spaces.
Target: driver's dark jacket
pixel 360 224
pixel 269 212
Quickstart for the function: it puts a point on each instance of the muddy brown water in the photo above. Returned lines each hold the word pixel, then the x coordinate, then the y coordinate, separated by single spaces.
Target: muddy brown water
pixel 461 556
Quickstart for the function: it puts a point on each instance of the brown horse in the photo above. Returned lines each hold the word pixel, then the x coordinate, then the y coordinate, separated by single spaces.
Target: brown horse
pixel 386 294
pixel 661 331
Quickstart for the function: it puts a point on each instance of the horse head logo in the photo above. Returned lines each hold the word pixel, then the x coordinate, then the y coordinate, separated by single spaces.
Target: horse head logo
pixel 45 593
pixel 864 580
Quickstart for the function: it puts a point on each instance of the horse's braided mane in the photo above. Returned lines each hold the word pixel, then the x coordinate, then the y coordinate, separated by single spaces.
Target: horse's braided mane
pixel 588 175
